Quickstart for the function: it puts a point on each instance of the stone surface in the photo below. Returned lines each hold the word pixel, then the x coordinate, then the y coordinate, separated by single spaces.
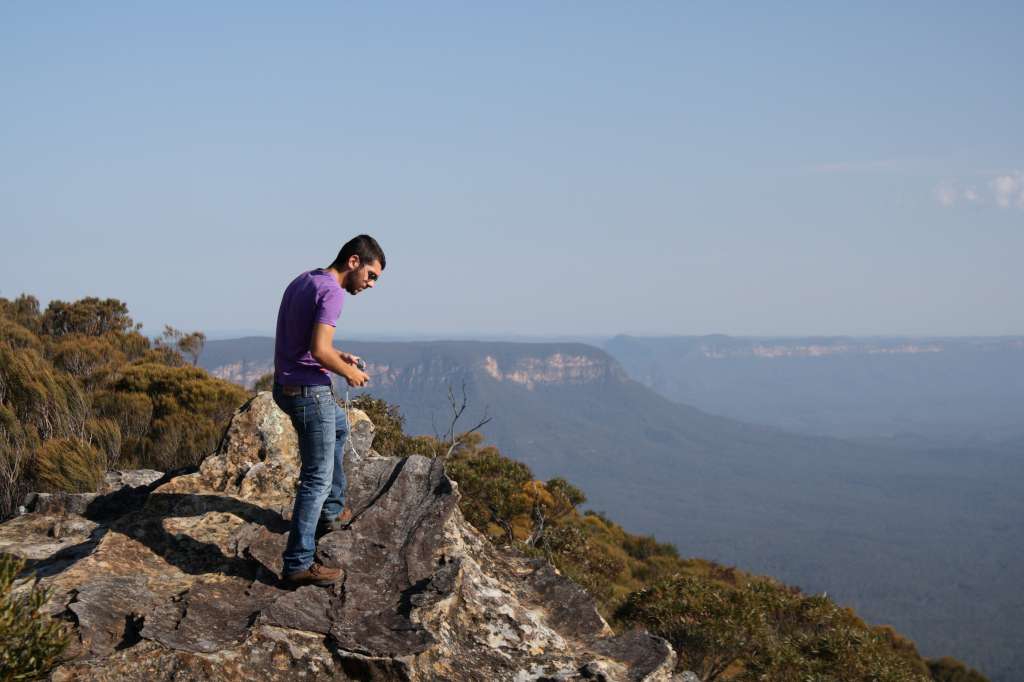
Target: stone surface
pixel 177 576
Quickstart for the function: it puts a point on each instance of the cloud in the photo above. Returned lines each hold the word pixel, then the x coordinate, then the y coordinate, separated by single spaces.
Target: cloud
pixel 948 194
pixel 1004 190
pixel 1009 190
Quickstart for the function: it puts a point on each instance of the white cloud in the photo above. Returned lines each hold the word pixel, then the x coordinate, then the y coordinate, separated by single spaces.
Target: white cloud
pixel 1004 190
pixel 1009 190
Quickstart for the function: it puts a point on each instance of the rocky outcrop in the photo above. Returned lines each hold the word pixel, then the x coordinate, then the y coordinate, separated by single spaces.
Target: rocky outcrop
pixel 178 577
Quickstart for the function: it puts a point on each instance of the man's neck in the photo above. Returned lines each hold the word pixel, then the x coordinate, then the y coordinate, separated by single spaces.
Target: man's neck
pixel 338 275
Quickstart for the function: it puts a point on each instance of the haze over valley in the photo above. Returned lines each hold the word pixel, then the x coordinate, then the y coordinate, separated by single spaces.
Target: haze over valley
pixel 911 531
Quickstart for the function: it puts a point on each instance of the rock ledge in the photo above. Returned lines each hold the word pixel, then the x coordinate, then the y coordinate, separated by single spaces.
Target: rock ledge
pixel 177 576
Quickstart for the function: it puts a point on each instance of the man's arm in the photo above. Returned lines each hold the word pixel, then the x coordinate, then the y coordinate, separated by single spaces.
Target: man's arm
pixel 321 347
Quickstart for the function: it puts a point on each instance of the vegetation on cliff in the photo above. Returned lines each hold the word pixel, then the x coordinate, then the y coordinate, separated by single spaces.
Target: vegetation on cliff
pixel 32 641
pixel 83 391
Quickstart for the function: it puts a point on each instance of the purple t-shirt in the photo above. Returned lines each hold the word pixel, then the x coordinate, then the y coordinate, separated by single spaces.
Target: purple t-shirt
pixel 311 297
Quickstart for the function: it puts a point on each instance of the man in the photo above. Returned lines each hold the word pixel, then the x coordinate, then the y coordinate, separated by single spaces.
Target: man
pixel 304 353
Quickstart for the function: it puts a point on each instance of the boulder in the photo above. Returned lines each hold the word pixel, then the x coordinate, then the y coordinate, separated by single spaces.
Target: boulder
pixel 177 576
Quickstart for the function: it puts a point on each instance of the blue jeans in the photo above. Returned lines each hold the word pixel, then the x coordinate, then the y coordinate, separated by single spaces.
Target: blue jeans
pixel 320 424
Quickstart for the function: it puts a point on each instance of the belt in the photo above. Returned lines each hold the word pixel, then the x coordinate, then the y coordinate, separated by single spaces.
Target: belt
pixel 307 390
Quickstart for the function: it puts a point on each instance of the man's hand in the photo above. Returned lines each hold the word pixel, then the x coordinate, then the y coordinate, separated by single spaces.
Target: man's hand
pixel 349 358
pixel 355 376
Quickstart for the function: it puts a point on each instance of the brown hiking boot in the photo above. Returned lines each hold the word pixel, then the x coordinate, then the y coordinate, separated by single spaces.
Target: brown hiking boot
pixel 316 574
pixel 340 522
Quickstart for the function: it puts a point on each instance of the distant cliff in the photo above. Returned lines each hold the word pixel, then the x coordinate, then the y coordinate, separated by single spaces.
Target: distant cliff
pixel 938 390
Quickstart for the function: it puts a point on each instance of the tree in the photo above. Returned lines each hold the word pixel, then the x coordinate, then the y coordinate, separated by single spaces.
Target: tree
pixel 90 316
pixel 190 345
pixel 23 310
pixel 88 358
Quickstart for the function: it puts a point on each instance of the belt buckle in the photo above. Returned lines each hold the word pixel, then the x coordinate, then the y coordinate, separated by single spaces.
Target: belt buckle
pixel 291 390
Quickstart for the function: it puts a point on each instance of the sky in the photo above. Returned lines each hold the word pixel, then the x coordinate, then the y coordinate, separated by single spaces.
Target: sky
pixel 529 168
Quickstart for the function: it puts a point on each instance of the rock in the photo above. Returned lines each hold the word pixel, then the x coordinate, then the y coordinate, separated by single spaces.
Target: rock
pixel 135 478
pixel 177 576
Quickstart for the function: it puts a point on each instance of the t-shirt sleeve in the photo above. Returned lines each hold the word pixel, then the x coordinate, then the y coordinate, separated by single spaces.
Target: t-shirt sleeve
pixel 328 307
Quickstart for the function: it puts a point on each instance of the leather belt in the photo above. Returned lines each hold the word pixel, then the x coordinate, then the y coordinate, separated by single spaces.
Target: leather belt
pixel 301 390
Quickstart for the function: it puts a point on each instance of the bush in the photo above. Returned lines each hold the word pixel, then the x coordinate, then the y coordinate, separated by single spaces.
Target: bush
pixel 762 630
pixel 90 316
pixel 492 488
pixel 42 397
pixel 105 435
pixel 68 465
pixel 265 383
pixel 32 641
pixel 948 669
pixel 170 416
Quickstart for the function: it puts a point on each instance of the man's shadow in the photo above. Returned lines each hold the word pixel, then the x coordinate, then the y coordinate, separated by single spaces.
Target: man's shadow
pixel 140 512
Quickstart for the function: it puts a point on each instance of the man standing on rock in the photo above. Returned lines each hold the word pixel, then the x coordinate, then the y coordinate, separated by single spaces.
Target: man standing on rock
pixel 304 353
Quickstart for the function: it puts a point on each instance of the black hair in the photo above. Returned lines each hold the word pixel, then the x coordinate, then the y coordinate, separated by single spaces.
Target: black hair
pixel 364 246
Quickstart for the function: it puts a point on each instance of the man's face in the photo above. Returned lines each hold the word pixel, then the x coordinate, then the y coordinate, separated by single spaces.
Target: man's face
pixel 364 276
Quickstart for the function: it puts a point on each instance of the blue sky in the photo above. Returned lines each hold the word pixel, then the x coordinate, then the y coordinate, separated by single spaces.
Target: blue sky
pixel 548 168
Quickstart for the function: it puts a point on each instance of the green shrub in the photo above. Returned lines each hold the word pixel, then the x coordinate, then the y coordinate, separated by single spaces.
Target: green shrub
pixel 90 316
pixel 948 669
pixel 389 430
pixel 31 641
pixel 17 336
pixel 265 383
pixel 23 310
pixel 68 465
pixel 105 435
pixel 761 630
pixel 41 396
pixel 187 410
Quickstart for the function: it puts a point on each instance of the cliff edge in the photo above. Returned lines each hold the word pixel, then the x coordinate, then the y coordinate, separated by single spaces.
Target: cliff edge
pixel 177 576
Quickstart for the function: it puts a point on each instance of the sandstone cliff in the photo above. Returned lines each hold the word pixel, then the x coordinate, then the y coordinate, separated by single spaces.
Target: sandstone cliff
pixel 176 576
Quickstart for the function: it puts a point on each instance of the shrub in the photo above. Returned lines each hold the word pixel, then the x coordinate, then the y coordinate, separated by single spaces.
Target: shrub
pixel 23 310
pixel 42 397
pixel 68 465
pixel 32 641
pixel 265 383
pixel 389 435
pixel 948 669
pixel 761 630
pixel 187 410
pixel 105 435
pixel 492 488
pixel 88 358
pixel 90 316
